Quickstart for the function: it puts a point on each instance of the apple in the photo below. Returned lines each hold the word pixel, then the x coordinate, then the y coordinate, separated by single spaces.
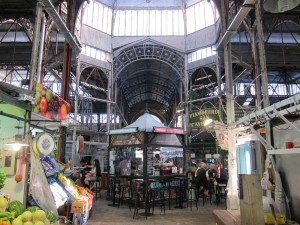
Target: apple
pixel 43 105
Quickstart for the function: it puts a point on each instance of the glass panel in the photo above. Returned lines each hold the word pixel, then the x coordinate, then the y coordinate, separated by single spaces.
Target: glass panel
pixel 176 18
pixel 126 161
pixel 109 21
pixel 100 18
pixel 208 52
pixel 134 16
pixel 209 14
pixel 95 15
pixel 104 23
pixel 193 19
pixel 202 16
pixel 93 52
pixel 128 23
pixel 158 22
pixel 170 22
pixel 88 50
pixel 181 23
pixel 122 23
pixel 85 10
pixel 98 55
pixel 188 20
pixel 152 22
pixel 90 14
pixel 140 23
pixel 164 23
pixel 117 25
pixel 197 17
pixel 146 22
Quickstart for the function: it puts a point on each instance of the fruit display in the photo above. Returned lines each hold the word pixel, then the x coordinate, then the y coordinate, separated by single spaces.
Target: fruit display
pixel 37 217
pixel 16 215
pixel 16 207
pixel 48 104
pixel 2 178
pixel 3 203
pixel 69 185
pixel 6 217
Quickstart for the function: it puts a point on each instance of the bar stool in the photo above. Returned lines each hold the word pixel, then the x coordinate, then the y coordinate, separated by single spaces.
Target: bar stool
pixel 170 188
pixel 157 194
pixel 221 191
pixel 200 193
pixel 96 184
pixel 181 192
pixel 140 197
pixel 125 189
pixel 191 190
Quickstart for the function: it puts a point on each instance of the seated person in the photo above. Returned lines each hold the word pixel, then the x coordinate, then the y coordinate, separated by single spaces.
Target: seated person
pixel 211 173
pixel 211 176
pixel 71 173
pixel 93 174
pixel 222 176
pixel 156 161
pixel 201 178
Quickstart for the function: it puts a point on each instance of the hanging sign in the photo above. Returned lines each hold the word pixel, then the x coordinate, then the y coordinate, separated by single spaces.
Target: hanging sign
pixel 197 118
pixel 48 104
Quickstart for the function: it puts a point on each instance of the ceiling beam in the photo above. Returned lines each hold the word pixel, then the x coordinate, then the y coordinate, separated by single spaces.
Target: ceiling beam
pixel 47 5
pixel 236 22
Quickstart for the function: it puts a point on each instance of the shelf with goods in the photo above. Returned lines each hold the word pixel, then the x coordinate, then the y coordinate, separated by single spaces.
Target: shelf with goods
pixel 51 190
pixel 65 191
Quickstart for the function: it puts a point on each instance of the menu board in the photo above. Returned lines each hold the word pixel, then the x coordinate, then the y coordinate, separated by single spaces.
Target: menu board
pixel 149 161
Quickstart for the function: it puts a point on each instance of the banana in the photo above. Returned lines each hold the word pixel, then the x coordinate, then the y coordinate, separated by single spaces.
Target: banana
pixel 5 214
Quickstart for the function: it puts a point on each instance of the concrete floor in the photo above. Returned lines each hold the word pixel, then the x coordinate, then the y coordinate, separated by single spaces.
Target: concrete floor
pixel 102 214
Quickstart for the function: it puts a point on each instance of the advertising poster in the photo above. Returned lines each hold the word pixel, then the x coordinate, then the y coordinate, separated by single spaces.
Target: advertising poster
pixel 48 104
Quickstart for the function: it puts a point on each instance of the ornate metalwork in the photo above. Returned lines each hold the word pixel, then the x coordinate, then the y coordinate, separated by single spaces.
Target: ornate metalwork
pixel 149 51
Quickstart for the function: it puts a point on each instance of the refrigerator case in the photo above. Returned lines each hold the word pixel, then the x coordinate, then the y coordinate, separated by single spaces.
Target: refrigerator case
pixel 249 157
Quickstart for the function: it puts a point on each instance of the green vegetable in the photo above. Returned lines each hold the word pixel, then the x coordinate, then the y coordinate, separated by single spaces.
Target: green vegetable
pixel 6 214
pixel 2 178
pixel 32 208
pixel 50 216
pixel 17 207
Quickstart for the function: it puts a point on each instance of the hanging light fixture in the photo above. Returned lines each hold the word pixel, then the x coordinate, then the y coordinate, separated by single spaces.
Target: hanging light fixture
pixel 18 143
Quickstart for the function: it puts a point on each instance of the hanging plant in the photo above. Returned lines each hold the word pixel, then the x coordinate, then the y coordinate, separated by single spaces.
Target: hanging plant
pixel 193 95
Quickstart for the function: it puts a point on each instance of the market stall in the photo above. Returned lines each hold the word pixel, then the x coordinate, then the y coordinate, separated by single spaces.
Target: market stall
pixel 132 150
pixel 33 186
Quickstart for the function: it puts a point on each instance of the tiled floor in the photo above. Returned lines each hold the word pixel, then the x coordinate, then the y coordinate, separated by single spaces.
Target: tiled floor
pixel 102 214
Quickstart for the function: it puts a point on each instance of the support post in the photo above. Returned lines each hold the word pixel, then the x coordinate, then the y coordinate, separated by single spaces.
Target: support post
pixel 252 212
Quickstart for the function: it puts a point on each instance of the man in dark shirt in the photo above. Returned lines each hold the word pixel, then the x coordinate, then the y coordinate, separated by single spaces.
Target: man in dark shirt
pixel 211 173
pixel 201 178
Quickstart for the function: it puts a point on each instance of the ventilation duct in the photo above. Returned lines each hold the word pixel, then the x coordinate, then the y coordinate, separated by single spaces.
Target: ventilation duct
pixel 280 6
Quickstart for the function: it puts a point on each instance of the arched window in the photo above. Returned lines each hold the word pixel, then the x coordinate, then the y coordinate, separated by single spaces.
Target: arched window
pixel 201 15
pixel 97 16
pixel 148 23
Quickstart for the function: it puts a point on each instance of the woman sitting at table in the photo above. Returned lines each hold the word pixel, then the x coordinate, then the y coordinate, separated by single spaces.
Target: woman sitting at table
pixel 94 174
pixel 201 178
